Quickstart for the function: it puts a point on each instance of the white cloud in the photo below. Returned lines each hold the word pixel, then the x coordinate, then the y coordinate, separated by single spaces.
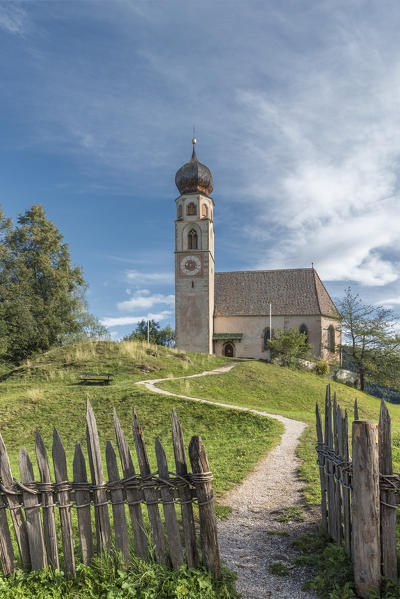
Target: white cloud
pixel 149 277
pixel 13 19
pixel 324 174
pixel 394 301
pixel 131 320
pixel 142 299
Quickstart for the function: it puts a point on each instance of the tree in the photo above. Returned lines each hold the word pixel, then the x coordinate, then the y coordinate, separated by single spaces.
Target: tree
pixel 42 296
pixel 289 346
pixel 372 344
pixel 157 335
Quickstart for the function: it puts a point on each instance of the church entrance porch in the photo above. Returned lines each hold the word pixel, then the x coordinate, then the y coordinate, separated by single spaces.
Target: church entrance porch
pixel 229 350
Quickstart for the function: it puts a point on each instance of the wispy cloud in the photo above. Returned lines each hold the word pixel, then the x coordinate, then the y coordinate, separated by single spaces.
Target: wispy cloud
pixel 142 299
pixel 13 19
pixel 131 320
pixel 329 190
pixel 135 276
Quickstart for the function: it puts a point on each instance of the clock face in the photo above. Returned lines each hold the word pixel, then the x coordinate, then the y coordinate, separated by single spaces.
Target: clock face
pixel 190 265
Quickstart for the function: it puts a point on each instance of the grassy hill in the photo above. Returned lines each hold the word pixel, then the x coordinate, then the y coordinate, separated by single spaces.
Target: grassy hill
pixel 290 393
pixel 46 392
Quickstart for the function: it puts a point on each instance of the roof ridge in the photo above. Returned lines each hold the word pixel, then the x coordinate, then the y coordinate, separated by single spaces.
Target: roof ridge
pixel 316 290
pixel 327 293
pixel 228 272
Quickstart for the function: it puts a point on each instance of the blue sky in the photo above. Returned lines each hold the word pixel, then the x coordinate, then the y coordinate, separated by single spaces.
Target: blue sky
pixel 297 112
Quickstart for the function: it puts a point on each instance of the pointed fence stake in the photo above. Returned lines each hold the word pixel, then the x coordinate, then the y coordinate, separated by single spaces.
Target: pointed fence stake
pixel 167 497
pixel 49 520
pixel 117 502
pixel 82 500
pixel 388 514
pixel 150 494
pixel 321 464
pixel 133 493
pixel 365 504
pixel 32 510
pixel 204 492
pixel 185 494
pixel 64 504
pixel 103 527
pixel 13 500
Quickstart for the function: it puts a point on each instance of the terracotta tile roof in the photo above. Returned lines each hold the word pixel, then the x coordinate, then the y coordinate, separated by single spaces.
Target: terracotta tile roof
pixel 297 291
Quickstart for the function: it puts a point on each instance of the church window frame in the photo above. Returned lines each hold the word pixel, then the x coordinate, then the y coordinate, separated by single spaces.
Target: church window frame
pixel 204 211
pixel 304 329
pixel 191 209
pixel 331 338
pixel 180 212
pixel 193 240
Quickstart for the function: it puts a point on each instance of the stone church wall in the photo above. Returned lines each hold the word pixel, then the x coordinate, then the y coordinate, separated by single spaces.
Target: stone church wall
pixel 326 352
pixel 253 329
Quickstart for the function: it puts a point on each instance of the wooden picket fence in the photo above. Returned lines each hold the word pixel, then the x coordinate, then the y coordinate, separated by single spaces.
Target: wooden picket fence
pixel 31 506
pixel 359 496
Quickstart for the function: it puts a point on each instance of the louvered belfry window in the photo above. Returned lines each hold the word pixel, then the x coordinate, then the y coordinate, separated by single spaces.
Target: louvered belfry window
pixel 192 240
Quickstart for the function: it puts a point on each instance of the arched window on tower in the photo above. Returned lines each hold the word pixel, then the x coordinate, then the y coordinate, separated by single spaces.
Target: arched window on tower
pixel 192 240
pixel 204 211
pixel 303 329
pixel 331 338
pixel 180 211
pixel 191 209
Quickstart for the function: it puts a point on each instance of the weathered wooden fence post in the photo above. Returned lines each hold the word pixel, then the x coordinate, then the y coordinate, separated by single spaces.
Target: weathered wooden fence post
pixel 208 523
pixel 388 498
pixel 365 503
pixel 321 464
pixel 346 490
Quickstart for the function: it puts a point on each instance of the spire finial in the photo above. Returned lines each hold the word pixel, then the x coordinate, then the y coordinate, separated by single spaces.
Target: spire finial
pixel 194 142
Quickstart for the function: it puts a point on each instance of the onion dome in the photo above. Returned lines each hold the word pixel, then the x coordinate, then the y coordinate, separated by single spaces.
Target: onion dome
pixel 194 176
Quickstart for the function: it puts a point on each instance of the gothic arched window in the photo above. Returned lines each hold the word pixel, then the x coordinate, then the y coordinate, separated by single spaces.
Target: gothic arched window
pixel 180 211
pixel 303 329
pixel 192 240
pixel 331 338
pixel 191 209
pixel 204 211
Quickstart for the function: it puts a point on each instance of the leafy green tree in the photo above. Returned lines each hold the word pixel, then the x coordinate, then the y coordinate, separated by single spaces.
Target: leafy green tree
pixel 42 296
pixel 372 344
pixel 289 346
pixel 165 336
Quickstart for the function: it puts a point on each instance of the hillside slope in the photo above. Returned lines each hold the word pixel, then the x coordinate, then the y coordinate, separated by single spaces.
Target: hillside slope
pixel 290 393
pixel 47 392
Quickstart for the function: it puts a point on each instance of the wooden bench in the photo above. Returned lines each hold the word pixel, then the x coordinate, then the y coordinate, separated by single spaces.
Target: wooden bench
pixel 96 377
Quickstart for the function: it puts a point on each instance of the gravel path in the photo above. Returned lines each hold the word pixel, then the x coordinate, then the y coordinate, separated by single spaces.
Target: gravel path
pixel 245 538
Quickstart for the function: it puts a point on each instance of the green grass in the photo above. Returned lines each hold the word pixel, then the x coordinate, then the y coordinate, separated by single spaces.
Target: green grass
pixel 108 579
pixel 279 569
pixel 293 394
pixel 46 392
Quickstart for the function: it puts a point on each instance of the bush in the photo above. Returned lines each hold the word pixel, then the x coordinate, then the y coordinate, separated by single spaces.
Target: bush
pixel 288 347
pixel 322 368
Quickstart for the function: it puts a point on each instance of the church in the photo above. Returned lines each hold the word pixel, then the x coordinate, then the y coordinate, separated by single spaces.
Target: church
pixel 235 313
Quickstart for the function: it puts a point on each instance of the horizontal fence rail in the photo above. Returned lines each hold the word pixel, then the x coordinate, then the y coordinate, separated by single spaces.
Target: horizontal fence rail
pixel 359 496
pixel 34 506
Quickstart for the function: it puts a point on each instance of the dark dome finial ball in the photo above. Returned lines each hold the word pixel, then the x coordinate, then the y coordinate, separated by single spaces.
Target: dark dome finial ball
pixel 194 177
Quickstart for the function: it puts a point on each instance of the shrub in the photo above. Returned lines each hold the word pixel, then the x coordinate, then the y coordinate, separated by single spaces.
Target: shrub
pixel 322 368
pixel 289 347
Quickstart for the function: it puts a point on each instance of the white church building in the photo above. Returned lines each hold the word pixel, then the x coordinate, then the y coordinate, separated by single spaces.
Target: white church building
pixel 228 313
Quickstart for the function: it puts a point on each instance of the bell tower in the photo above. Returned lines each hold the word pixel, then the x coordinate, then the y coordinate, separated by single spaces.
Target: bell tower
pixel 194 257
